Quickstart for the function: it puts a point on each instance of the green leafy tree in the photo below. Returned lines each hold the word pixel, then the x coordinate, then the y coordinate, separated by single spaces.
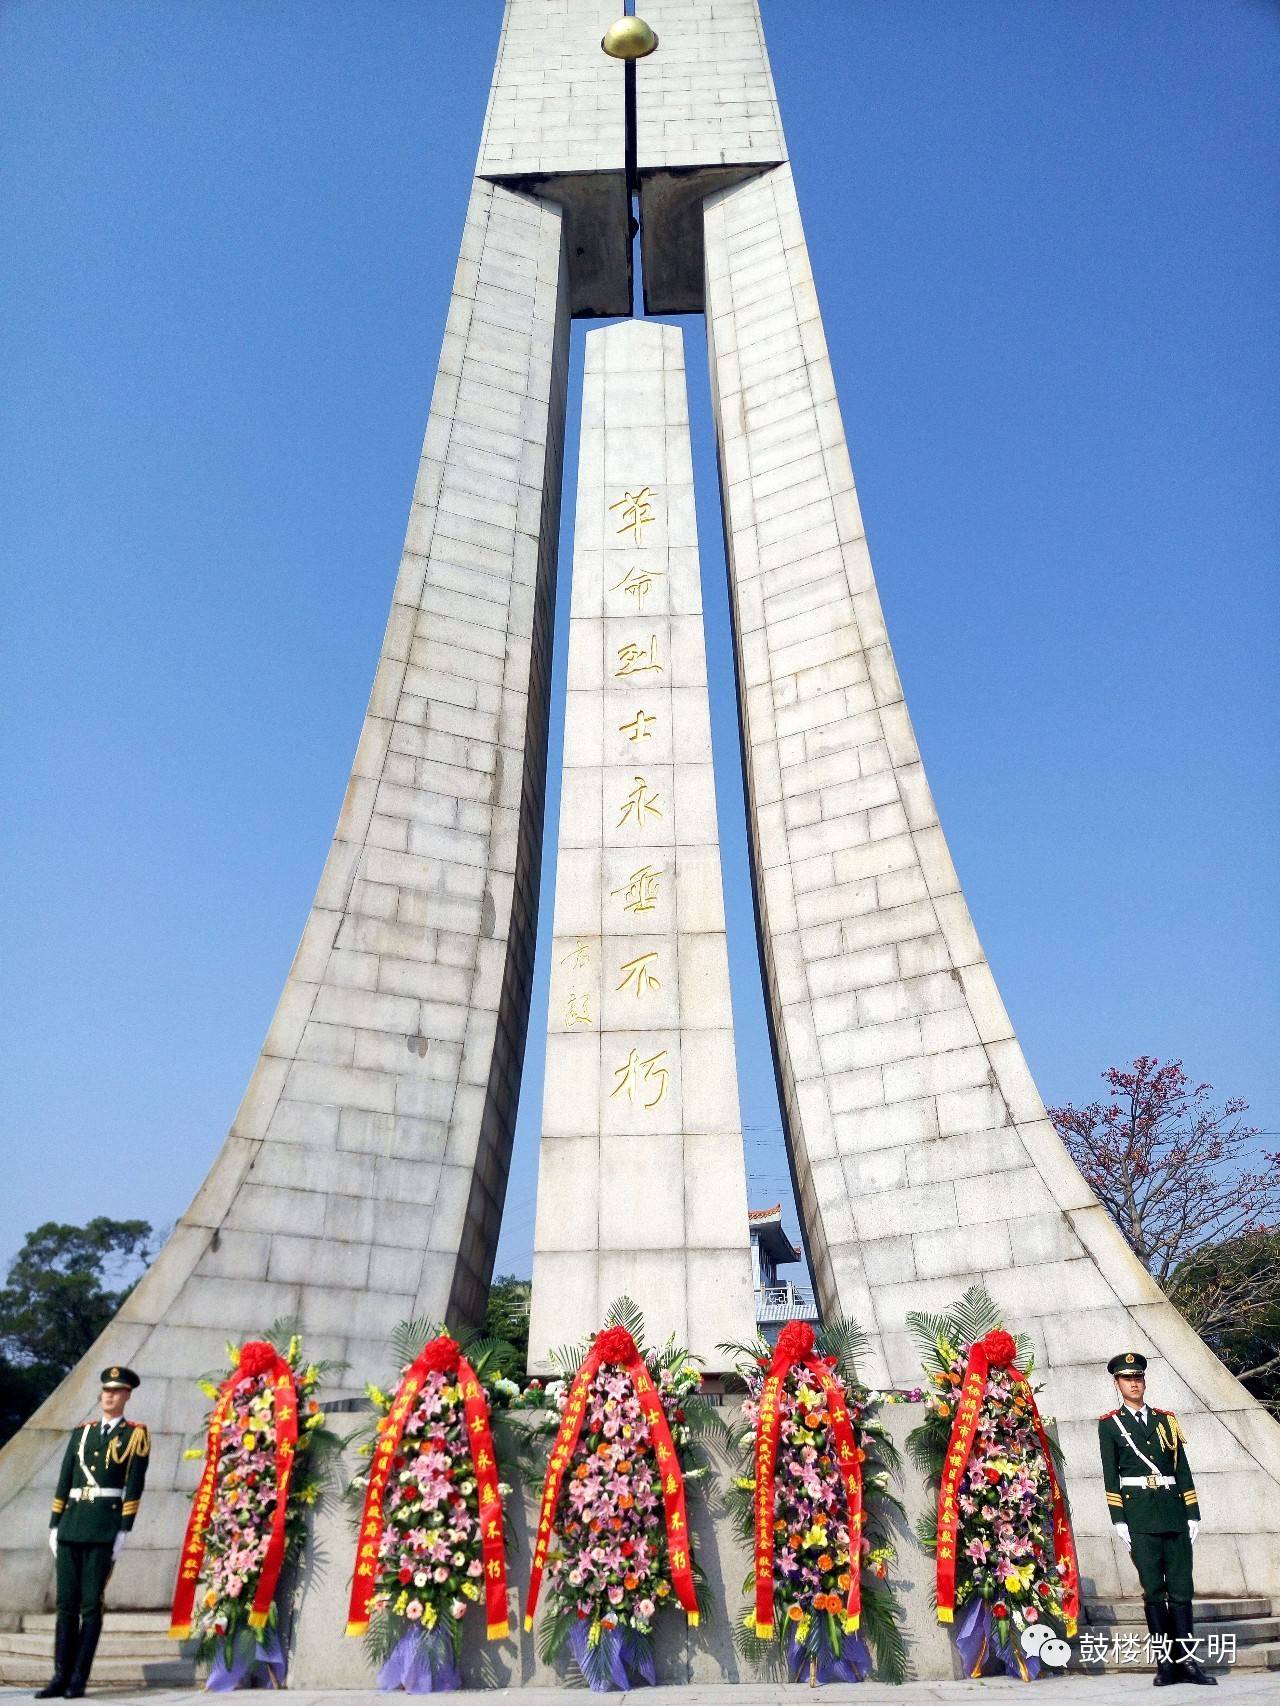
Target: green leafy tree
pixel 507 1316
pixel 1235 1285
pixel 63 1286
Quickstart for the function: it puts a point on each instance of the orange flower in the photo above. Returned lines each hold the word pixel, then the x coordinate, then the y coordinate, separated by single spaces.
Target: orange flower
pixel 580 1472
pixel 794 1613
pixel 844 1580
pixel 623 1467
pixel 824 1560
pixel 955 1378
pixel 795 1539
pixel 210 1599
pixel 603 1449
pixel 626 1501
pixel 944 1409
pixel 630 1581
pixel 615 1522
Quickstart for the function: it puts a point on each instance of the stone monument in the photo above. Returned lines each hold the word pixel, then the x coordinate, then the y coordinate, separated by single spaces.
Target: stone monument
pixel 641 1179
pixel 362 1180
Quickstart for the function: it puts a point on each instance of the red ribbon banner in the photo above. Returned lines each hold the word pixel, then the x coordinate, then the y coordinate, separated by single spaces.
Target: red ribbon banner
pixel 795 1349
pixel 256 1358
pixel 615 1346
pixel 995 1351
pixel 441 1354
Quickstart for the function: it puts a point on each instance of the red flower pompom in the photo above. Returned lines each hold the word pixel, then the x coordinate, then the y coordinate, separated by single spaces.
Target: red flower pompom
pixel 441 1355
pixel 614 1344
pixel 1000 1348
pixel 795 1342
pixel 257 1357
pixel 999 1609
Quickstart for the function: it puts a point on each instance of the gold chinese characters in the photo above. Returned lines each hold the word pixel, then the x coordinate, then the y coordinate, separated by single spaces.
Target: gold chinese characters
pixel 636 1074
pixel 637 512
pixel 640 804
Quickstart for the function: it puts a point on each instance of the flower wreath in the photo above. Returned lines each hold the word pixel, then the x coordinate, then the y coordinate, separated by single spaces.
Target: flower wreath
pixel 1002 1531
pixel 267 1458
pixel 430 1542
pixel 814 1501
pixel 613 1538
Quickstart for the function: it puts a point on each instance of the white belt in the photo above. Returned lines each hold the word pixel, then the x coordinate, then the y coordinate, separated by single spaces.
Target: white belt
pixel 1151 1481
pixel 96 1493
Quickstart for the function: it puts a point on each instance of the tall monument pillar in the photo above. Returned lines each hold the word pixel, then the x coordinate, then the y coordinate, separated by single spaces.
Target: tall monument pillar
pixel 641 1182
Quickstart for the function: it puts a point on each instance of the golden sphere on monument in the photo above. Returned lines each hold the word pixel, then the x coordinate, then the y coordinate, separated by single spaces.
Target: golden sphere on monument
pixel 629 38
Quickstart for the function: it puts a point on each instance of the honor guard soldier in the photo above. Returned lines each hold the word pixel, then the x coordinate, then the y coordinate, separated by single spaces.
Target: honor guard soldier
pixel 97 1497
pixel 1152 1502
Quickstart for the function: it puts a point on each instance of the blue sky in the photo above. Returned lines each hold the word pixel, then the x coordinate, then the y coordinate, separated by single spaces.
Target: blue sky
pixel 1046 246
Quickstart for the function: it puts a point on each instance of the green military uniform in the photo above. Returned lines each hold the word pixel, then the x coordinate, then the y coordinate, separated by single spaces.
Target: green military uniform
pixel 1150 1490
pixel 99 1489
pixel 1156 1515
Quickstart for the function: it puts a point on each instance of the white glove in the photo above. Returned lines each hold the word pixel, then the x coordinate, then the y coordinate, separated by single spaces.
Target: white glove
pixel 53 1541
pixel 117 1545
pixel 1193 1528
pixel 1122 1529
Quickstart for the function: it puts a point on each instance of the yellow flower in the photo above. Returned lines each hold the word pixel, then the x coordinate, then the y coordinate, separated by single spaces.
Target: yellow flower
pixel 400 1603
pixel 233 1355
pixel 194 1451
pixel 1013 1583
pixel 249 1442
pixel 817 1536
pixel 429 1616
pixel 208 1388
pixel 470 1590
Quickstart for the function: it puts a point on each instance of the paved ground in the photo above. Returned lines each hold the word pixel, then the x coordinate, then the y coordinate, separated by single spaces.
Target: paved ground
pixel 1241 1690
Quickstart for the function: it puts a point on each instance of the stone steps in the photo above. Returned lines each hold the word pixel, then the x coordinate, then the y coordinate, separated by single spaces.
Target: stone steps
pixel 118 1622
pixel 1249 1620
pixel 134 1652
pixel 1098 1611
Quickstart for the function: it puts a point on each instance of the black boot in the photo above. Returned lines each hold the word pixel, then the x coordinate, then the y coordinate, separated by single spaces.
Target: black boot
pixel 1160 1628
pixel 66 1634
pixel 1189 1669
pixel 90 1629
